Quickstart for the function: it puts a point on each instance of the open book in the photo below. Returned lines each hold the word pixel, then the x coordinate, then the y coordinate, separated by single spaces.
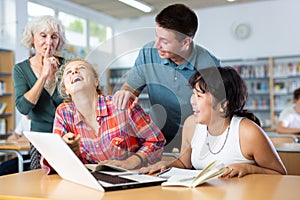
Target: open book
pixel 192 178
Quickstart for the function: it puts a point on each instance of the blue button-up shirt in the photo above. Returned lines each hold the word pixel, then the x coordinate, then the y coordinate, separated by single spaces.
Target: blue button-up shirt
pixel 167 85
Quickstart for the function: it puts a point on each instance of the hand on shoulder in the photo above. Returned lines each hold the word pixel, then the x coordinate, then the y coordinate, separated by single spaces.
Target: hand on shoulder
pixel 122 97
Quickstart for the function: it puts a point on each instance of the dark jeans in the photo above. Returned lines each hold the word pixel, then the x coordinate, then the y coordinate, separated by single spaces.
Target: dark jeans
pixel 12 166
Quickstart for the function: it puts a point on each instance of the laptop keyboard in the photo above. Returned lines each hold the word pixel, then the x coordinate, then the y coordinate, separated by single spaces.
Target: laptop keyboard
pixel 111 179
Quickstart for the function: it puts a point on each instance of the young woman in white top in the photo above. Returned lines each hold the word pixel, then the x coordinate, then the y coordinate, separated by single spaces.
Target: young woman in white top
pixel 223 130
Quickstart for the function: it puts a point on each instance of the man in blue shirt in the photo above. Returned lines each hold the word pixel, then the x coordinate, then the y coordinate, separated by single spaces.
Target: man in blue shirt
pixel 164 66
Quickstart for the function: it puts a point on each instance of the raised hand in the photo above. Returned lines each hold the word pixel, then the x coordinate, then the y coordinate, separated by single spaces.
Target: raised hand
pixel 50 63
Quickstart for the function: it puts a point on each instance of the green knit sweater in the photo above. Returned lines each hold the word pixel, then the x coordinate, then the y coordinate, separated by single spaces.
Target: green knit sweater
pixel 42 113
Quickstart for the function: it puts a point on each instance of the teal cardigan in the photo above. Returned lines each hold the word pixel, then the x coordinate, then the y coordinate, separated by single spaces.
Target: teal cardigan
pixel 43 112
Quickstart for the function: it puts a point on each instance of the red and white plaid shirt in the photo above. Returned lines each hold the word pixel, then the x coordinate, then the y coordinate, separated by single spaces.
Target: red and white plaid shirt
pixel 121 132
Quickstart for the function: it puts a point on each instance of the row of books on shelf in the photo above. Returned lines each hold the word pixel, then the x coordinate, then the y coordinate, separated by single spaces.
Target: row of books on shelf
pixel 258 87
pixel 286 86
pixel 280 86
pixel 258 103
pixel 287 69
pixel 262 70
pixel 252 71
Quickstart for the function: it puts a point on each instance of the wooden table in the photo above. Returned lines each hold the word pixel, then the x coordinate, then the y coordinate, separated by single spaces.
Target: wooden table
pixel 287 147
pixel 36 185
pixel 16 148
pixel 290 156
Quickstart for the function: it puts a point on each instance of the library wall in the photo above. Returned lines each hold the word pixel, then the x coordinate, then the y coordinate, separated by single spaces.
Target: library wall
pixel 273 30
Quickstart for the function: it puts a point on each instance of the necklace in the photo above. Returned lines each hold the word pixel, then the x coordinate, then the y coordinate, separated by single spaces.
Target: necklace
pixel 222 145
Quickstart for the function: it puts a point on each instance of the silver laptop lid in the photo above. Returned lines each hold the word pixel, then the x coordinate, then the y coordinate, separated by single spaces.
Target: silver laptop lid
pixel 62 158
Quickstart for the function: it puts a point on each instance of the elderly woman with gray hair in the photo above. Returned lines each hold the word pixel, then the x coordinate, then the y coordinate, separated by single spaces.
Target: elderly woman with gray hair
pixel 36 94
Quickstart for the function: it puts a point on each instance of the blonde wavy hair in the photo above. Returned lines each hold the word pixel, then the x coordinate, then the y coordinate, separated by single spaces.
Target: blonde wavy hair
pixel 59 78
pixel 43 23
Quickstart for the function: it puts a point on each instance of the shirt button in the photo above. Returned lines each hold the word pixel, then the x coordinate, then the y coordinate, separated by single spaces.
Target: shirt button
pixel 147 118
pixel 175 78
pixel 97 145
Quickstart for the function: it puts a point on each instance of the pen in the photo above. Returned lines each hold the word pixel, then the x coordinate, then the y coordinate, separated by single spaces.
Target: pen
pixel 160 173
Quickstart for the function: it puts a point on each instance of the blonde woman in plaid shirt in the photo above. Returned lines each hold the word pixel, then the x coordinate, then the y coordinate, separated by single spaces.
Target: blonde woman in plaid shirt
pixel 98 132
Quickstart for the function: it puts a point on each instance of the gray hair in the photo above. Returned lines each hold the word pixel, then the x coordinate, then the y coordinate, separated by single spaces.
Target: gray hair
pixel 43 23
pixel 59 78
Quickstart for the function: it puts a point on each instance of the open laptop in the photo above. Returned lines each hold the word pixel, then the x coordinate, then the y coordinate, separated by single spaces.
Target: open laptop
pixel 69 167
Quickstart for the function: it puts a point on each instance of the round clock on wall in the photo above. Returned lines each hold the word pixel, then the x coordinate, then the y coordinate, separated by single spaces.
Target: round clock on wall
pixel 242 31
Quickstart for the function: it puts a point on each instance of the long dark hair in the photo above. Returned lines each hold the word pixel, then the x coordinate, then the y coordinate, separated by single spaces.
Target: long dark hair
pixel 225 85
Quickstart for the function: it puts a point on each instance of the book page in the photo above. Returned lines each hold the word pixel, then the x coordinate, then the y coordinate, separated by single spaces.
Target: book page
pixel 193 178
pixel 178 171
pixel 215 170
pixel 179 180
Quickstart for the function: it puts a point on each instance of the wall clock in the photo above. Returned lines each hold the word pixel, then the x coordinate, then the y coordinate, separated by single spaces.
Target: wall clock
pixel 242 31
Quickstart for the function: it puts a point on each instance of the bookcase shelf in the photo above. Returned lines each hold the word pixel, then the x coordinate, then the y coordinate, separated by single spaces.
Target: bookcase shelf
pixel 256 74
pixel 117 77
pixel 271 82
pixel 7 117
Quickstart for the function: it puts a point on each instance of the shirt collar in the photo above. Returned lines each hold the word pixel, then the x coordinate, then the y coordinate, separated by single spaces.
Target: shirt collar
pixel 77 116
pixel 102 109
pixel 187 64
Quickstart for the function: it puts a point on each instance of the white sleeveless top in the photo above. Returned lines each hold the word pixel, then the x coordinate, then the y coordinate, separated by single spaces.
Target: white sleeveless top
pixel 229 154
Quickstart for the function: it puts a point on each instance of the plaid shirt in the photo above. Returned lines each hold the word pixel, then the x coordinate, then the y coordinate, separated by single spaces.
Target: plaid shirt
pixel 121 132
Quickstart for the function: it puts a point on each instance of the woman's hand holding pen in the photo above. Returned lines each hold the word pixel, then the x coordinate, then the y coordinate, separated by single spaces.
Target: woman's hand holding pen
pixel 73 141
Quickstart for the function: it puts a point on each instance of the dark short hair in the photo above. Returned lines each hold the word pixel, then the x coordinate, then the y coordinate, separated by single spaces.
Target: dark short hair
pixel 297 93
pixel 180 18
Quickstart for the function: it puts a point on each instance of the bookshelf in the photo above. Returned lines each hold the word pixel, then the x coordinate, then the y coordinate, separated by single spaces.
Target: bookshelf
pixel 117 77
pixel 286 78
pixel 256 74
pixel 271 82
pixel 7 116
